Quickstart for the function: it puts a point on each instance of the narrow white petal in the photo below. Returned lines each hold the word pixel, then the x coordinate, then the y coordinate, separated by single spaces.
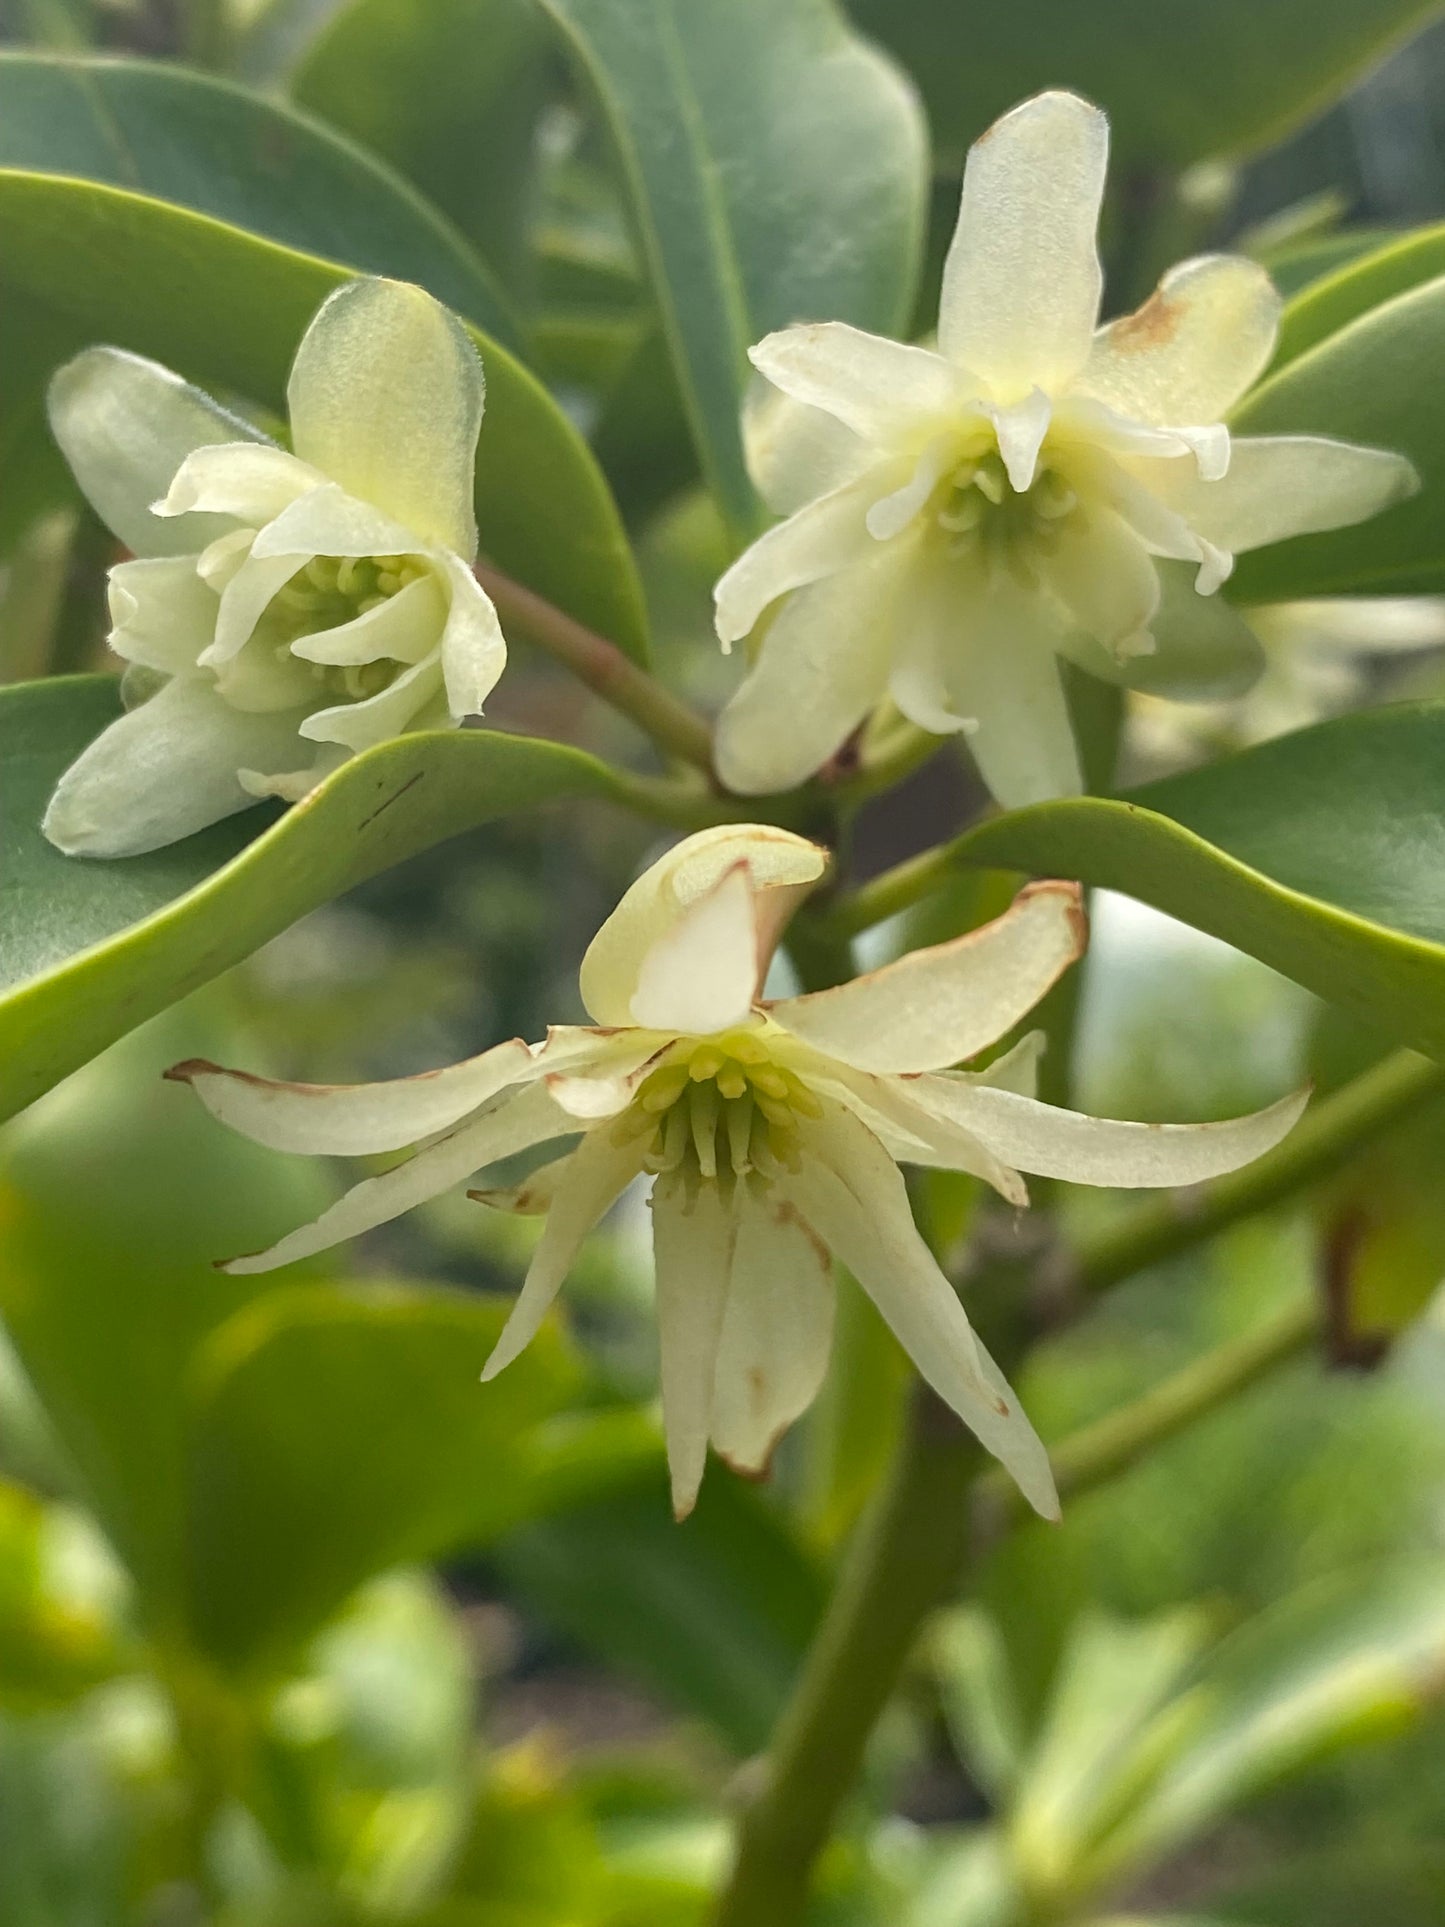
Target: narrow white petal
pixel 386 397
pixel 1199 341
pixel 1017 1069
pixel 1021 283
pixel 1283 485
pixel 701 975
pixel 891 514
pixel 162 772
pixel 937 1006
pixel 163 615
pixel 474 650
pixel 781 866
pixel 328 521
pixel 853 1195
pixel 884 391
pixel 692 1244
pixel 1021 427
pixel 795 453
pixel 534 1195
pixel 604 1080
pixel 244 600
pixel 599 1171
pixel 822 667
pixel 249 481
pixel 1091 1150
pixel 1204 445
pixel 413 699
pixel 514 1124
pixel 817 541
pixel 354 1120
pixel 402 628
pixel 125 425
pixel 777 1329
pixel 1204 649
pixel 1024 744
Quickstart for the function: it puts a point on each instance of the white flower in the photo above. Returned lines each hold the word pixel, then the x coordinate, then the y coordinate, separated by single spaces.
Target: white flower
pixel 1036 485
pixel 771 1133
pixel 283 609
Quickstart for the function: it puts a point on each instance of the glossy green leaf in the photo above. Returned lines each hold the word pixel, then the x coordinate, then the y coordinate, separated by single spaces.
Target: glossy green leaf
pixel 335 1436
pixel 775 165
pixel 1180 83
pixel 115 1194
pixel 217 277
pixel 1322 853
pixel 1358 278
pixel 715 1614
pixel 449 93
pixel 1374 380
pixel 90 949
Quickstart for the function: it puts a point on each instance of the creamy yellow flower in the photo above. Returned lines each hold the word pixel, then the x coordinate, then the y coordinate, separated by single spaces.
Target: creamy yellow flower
pixel 284 609
pixel 771 1132
pixel 1034 486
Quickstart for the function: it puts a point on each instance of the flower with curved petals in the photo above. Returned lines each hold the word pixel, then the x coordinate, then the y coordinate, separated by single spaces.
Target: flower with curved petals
pixel 772 1134
pixel 282 609
pixel 959 517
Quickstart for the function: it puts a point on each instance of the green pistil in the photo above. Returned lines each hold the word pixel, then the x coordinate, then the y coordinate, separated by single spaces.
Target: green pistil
pixel 719 1111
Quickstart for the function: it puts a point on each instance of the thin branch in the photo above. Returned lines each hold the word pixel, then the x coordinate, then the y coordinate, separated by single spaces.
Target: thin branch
pixel 610 674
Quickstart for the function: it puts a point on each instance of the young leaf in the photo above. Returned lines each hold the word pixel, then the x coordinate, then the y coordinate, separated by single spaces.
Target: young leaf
pixel 90 949
pixel 776 167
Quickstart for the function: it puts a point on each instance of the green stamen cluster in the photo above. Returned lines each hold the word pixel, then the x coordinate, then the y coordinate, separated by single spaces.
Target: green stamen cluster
pixel 336 589
pixel 982 506
pixel 719 1110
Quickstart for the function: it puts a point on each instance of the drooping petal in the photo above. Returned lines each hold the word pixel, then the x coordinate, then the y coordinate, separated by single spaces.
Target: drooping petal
pixel 1105 577
pixel 328 521
pixel 378 718
pixel 163 615
pixel 513 1123
pixel 884 391
pixel 474 650
pixel 534 1195
pixel 125 425
pixel 853 1195
pixel 692 1242
pixel 1022 281
pixel 822 667
pixel 937 1006
pixel 701 974
pixel 1091 1150
pixel 1283 485
pixel 1199 341
pixel 795 453
pixel 249 481
pixel 402 628
pixel 782 866
pixel 816 542
pixel 386 398
pixel 1204 649
pixel 354 1120
pixel 599 1171
pixel 163 771
pixel 777 1329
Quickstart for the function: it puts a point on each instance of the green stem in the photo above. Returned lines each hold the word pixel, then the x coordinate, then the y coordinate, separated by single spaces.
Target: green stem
pixel 1326 1136
pixel 1112 1444
pixel 892 891
pixel 904 1561
pixel 671 724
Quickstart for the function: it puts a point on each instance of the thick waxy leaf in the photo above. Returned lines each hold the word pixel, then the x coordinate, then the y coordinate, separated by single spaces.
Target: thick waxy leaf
pixel 1179 83
pixel 90 949
pixel 1357 280
pixel 715 1614
pixel 335 1436
pixel 1372 379
pixel 1322 853
pixel 776 168
pixel 216 271
pixel 115 1195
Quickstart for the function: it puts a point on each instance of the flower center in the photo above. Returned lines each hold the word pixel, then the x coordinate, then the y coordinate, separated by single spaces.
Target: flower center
pixel 981 506
pixel 333 590
pixel 719 1109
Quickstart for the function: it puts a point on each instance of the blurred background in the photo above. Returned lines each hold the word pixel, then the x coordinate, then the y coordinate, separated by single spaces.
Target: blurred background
pixel 299 1629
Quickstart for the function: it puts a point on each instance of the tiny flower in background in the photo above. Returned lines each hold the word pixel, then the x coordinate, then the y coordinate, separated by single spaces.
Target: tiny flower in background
pixel 771 1132
pixel 283 610
pixel 1035 486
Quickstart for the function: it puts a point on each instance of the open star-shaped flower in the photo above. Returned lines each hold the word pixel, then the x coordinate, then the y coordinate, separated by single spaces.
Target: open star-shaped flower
pixel 284 608
pixel 1035 486
pixel 771 1132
